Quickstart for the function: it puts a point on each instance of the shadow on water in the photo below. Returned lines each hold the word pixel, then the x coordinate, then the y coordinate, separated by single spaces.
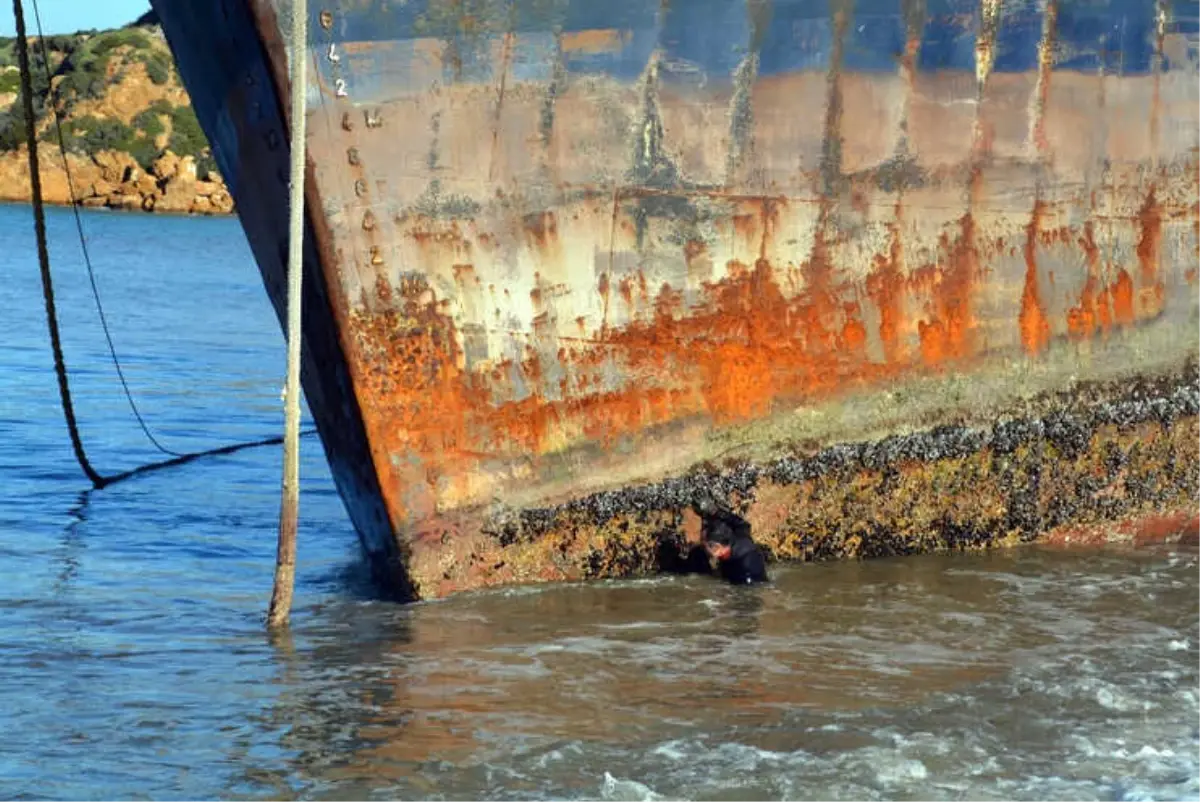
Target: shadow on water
pixel 71 545
pixel 355 580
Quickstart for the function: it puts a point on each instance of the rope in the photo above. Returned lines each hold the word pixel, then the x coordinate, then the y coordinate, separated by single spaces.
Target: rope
pixel 39 220
pixel 87 260
pixel 285 558
pixel 39 227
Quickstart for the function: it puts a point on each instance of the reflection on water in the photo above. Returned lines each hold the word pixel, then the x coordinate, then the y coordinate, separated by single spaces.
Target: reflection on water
pixel 133 661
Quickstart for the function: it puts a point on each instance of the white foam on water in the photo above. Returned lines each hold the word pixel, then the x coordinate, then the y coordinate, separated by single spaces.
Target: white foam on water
pixel 670 750
pixel 558 755
pixel 900 771
pixel 639 625
pixel 1111 697
pixel 1179 645
pixel 627 790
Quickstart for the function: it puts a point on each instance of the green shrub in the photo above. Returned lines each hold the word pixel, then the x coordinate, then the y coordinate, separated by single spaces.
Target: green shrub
pixel 144 152
pixel 158 66
pixel 206 166
pixel 85 68
pixel 63 43
pixel 12 131
pixel 89 134
pixel 10 81
pixel 104 43
pixel 149 122
pixel 187 137
pixel 83 76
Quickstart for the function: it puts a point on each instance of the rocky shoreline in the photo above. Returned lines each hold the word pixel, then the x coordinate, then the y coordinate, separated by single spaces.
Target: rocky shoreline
pixel 114 180
pixel 114 123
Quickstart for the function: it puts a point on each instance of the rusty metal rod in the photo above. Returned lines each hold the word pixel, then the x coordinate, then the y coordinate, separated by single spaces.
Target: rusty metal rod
pixel 285 558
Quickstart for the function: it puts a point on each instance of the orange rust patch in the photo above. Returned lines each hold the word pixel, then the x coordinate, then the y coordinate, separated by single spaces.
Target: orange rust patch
pixel 748 344
pixel 946 335
pixel 854 333
pixel 1093 310
pixel 1150 221
pixel 1035 329
pixel 1083 318
pixel 885 285
pixel 743 349
pixel 1122 299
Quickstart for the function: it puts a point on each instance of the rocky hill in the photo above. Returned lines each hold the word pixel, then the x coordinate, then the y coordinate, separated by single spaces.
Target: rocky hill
pixel 130 136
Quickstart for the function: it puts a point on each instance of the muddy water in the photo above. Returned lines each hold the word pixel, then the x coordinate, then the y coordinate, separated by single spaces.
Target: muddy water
pixel 133 662
pixel 1034 674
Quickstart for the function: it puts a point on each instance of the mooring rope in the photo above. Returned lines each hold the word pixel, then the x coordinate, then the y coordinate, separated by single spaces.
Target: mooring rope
pixel 39 223
pixel 39 227
pixel 87 259
pixel 285 555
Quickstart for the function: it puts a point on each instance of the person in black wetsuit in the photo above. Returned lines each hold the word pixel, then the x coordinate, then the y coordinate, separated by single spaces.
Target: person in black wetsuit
pixel 726 536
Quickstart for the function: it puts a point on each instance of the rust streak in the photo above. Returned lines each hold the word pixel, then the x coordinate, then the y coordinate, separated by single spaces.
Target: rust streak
pixel 831 143
pixel 914 24
pixel 505 58
pixel 1093 311
pixel 1149 241
pixel 1035 329
pixel 947 336
pixel 886 287
pixel 1122 298
pixel 1156 65
pixel 1042 90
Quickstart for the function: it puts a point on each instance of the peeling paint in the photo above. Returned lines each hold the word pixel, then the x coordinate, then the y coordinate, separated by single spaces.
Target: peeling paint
pixel 574 246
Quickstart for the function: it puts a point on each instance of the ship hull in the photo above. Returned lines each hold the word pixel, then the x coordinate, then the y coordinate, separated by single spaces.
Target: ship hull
pixel 569 267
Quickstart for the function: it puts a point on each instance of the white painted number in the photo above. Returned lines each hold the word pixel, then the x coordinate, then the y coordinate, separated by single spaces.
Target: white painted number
pixel 340 87
pixel 333 56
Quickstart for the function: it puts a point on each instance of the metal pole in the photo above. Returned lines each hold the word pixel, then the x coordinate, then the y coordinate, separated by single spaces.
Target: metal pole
pixel 285 560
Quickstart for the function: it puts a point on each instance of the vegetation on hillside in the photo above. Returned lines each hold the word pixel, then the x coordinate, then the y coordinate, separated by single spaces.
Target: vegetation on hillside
pixel 83 68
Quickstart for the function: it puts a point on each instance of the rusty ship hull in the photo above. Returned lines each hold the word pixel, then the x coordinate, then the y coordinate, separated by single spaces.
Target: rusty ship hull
pixel 855 265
